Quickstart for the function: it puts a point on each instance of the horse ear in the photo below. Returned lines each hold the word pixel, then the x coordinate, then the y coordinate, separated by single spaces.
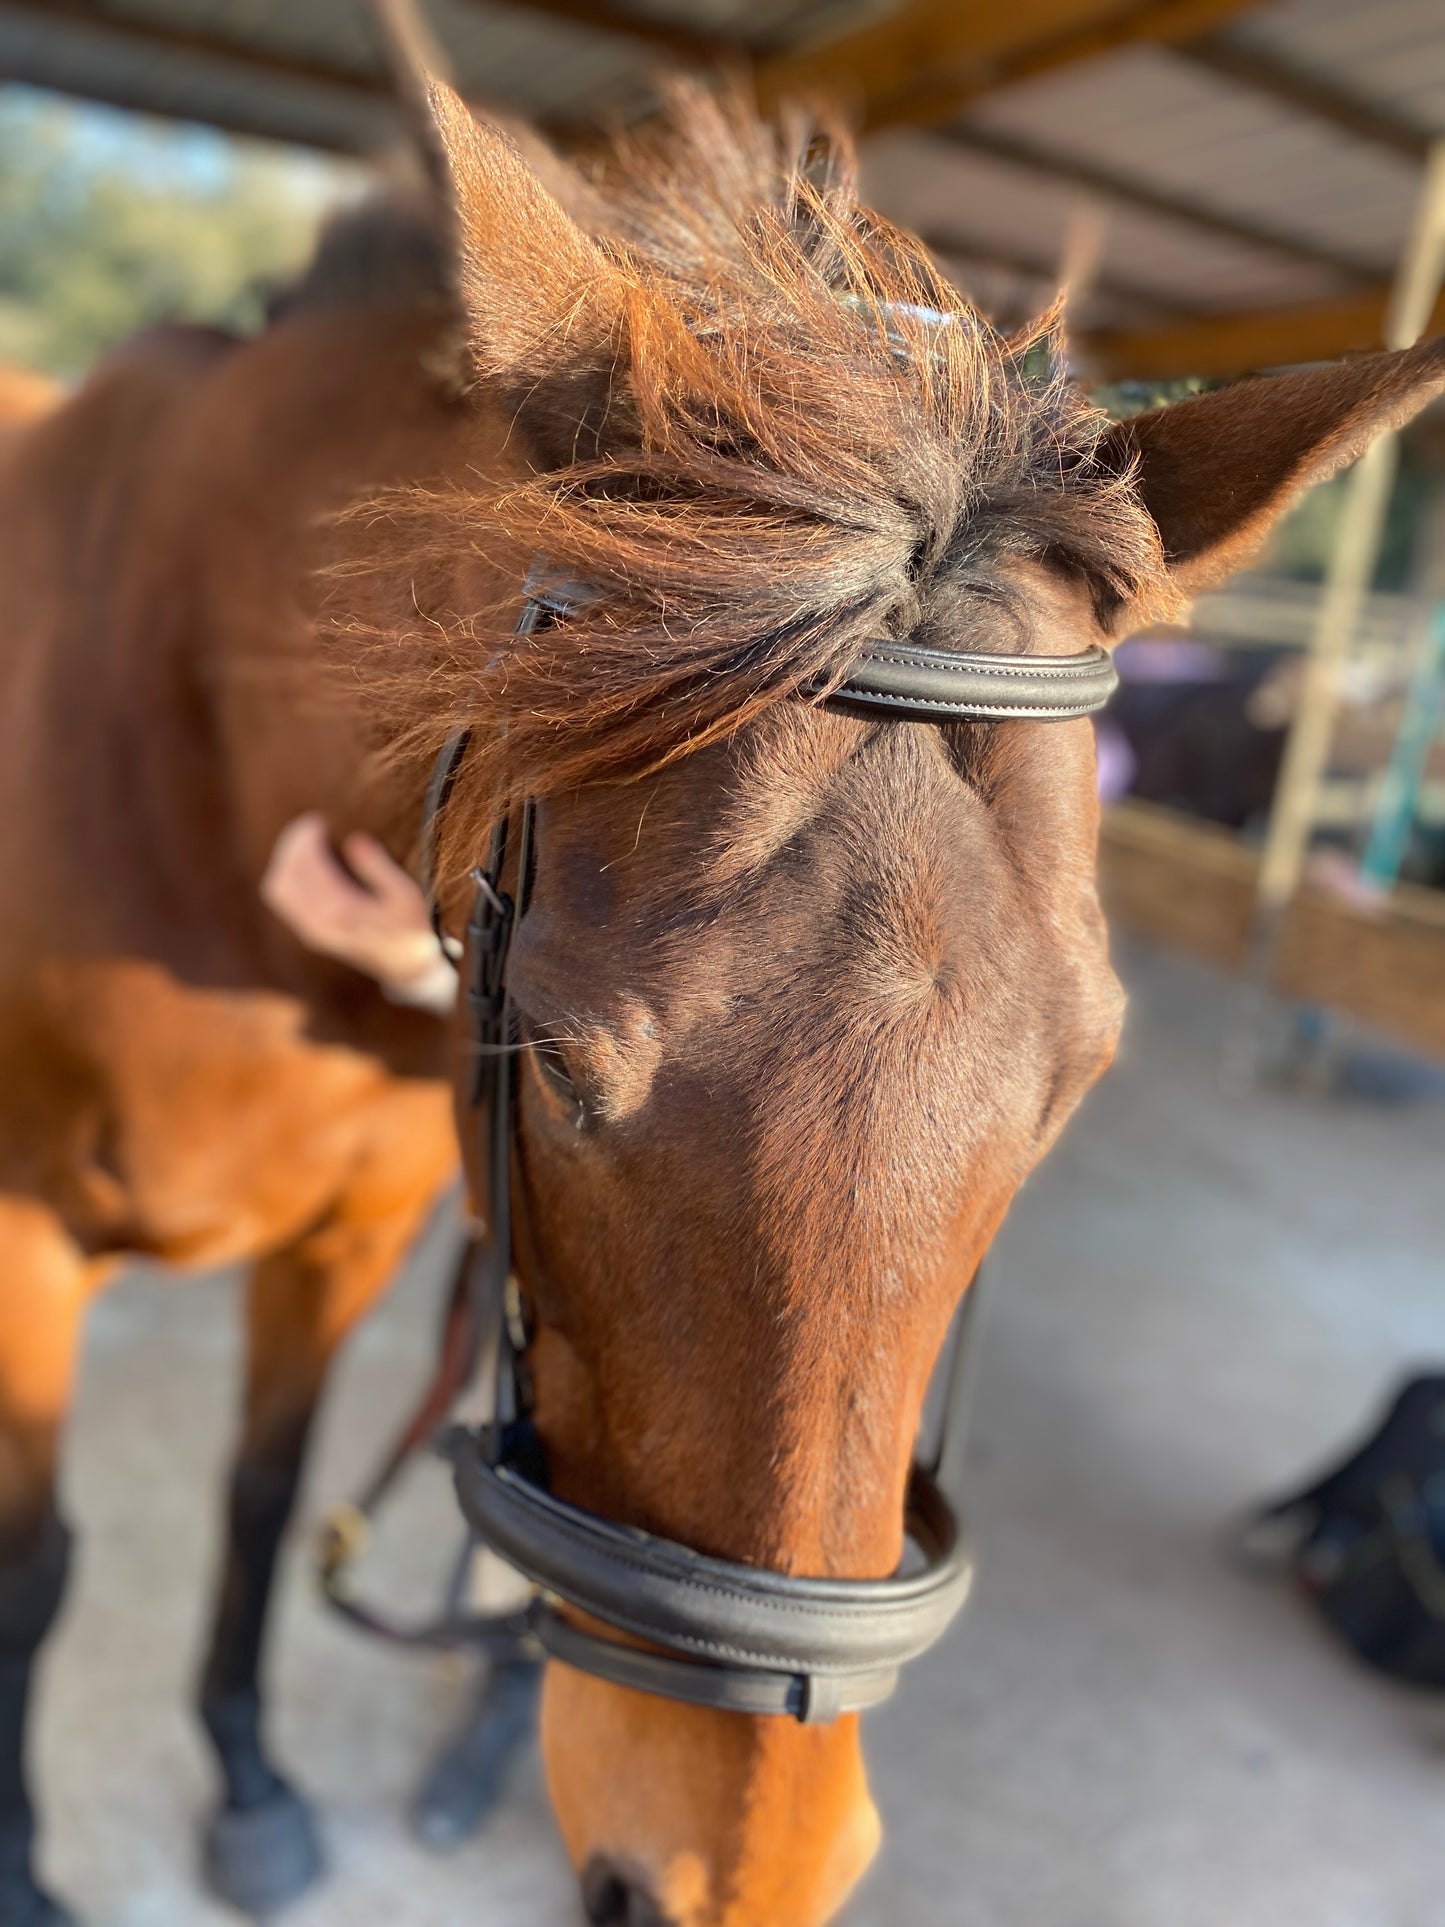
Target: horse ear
pixel 544 304
pixel 1217 472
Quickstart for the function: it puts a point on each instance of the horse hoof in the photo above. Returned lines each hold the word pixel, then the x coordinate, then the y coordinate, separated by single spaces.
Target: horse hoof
pixel 262 1858
pixel 470 1774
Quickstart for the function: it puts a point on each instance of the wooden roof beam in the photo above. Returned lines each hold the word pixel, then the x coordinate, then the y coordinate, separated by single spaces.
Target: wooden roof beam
pixel 245 56
pixel 604 16
pixel 250 123
pixel 1237 344
pixel 1246 64
pixel 1133 191
pixel 923 63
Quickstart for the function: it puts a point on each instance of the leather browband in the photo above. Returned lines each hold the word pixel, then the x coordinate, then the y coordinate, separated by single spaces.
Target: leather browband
pixel 911 681
pixel 907 680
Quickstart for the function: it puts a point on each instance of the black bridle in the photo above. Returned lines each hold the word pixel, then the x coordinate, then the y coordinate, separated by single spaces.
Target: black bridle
pixel 719 1634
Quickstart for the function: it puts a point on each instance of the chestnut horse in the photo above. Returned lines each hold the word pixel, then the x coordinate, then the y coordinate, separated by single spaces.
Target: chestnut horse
pixel 24 396
pixel 811 992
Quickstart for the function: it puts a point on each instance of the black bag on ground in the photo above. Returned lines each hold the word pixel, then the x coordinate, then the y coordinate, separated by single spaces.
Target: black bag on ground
pixel 1367 1541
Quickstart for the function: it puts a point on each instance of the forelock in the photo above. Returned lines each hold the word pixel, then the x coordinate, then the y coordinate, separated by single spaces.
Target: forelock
pixel 811 440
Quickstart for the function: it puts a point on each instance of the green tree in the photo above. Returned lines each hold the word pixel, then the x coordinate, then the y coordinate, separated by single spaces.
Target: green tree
pixel 109 222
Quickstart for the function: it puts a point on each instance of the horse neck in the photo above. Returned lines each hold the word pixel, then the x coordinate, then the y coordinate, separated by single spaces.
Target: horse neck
pixel 172 715
pixel 93 719
pixel 329 408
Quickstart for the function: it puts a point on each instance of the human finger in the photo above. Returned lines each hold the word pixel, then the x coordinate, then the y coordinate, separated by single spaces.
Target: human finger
pixel 385 877
pixel 307 888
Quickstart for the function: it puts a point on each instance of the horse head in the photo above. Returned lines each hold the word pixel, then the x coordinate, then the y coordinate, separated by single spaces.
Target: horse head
pixel 802 992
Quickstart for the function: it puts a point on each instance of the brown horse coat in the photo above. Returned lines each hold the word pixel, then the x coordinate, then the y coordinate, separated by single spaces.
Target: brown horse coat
pixel 181 1078
pixel 25 395
pixel 178 1076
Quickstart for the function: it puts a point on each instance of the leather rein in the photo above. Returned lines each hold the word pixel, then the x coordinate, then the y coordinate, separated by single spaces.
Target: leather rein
pixel 718 1633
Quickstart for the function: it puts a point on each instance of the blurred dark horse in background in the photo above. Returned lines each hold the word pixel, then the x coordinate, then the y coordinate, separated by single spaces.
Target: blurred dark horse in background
pixel 813 991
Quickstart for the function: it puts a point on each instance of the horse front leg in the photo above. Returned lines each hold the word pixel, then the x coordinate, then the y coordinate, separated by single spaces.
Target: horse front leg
pixel 43 1287
pixel 261 1847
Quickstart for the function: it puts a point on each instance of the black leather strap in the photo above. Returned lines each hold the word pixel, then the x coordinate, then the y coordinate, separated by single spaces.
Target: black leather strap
pixel 908 681
pixel 912 682
pixel 814 1698
pixel 743 1622
pixel 439 788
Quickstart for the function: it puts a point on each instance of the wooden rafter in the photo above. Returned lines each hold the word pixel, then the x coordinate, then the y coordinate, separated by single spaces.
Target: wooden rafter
pixel 259 122
pixel 1134 191
pixel 171 37
pixel 1234 344
pixel 602 16
pixel 926 61
pixel 1246 64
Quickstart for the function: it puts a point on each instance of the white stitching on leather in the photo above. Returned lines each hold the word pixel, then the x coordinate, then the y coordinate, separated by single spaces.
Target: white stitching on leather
pixel 1045 712
pixel 1030 667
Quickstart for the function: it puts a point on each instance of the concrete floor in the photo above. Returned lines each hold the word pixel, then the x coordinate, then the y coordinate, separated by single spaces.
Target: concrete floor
pixel 1194 1300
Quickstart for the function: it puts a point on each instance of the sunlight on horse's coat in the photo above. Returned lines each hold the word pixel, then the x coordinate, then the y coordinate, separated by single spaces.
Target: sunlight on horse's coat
pixel 836 982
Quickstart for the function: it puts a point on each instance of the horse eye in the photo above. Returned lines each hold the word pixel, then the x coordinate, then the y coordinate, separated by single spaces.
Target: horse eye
pixel 548 1058
pixel 551 1064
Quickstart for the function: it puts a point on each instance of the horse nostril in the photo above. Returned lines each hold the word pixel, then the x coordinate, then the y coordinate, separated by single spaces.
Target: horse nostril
pixel 617 1899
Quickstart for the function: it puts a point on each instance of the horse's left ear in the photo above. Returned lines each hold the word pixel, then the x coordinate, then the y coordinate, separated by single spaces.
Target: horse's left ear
pixel 1217 472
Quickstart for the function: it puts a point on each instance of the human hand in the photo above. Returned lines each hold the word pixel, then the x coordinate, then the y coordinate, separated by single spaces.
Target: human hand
pixel 374 919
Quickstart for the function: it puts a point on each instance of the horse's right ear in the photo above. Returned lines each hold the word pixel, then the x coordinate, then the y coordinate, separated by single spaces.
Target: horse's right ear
pixel 544 303
pixel 1217 472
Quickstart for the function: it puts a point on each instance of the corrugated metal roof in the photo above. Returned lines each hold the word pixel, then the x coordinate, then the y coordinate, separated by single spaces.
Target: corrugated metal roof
pixel 1149 114
pixel 550 63
pixel 1270 165
pixel 948 194
pixel 1392 51
pixel 1158 120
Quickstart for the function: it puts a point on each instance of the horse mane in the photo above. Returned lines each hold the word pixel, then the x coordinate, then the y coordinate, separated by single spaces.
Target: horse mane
pixel 810 439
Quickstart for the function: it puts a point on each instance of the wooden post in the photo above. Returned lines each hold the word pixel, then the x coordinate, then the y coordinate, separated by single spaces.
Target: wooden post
pixel 1352 567
pixel 1347 582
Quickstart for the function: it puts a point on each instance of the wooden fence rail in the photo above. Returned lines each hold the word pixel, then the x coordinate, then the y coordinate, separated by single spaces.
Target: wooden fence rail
pixel 1191 886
